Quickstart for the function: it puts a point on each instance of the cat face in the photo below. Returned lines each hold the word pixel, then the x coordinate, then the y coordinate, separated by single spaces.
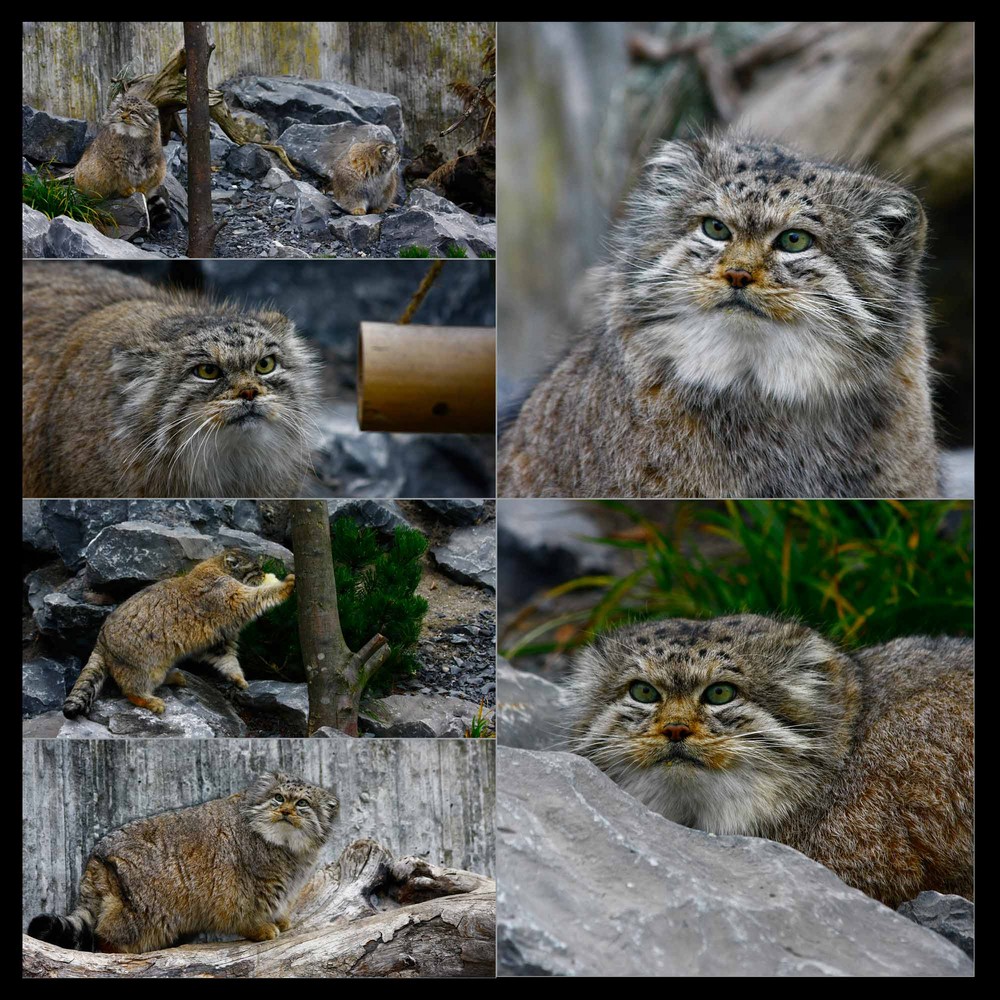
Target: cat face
pixel 745 262
pixel 289 812
pixel 218 401
pixel 132 115
pixel 242 566
pixel 715 724
pixel 389 155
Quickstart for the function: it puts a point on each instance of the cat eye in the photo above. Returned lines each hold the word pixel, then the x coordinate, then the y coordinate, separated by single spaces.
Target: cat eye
pixel 646 693
pixel 301 802
pixel 208 372
pixel 278 799
pixel 793 241
pixel 719 694
pixel 716 230
pixel 266 365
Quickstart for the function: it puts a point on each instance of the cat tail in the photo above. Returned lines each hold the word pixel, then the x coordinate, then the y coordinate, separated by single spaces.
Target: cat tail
pixel 75 931
pixel 87 687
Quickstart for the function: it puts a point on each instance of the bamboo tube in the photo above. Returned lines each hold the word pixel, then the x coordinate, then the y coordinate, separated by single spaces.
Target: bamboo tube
pixel 427 378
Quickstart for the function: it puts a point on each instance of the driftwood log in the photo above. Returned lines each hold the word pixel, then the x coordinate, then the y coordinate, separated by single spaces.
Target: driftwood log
pixel 366 914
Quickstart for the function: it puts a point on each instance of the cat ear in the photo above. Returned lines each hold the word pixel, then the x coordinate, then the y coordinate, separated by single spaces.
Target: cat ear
pixel 674 166
pixel 900 219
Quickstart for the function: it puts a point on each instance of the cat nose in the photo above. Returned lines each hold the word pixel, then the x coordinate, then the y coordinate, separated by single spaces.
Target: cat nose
pixel 676 731
pixel 738 279
pixel 249 393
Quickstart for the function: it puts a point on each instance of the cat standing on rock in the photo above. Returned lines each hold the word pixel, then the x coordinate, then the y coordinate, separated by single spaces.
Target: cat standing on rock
pixel 230 866
pixel 760 333
pixel 363 180
pixel 132 390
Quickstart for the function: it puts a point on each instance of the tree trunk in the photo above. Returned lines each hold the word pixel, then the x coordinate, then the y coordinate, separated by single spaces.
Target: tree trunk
pixel 336 677
pixel 201 224
pixel 367 914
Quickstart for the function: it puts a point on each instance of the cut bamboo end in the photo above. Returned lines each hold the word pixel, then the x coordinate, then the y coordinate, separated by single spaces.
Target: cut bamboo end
pixel 423 379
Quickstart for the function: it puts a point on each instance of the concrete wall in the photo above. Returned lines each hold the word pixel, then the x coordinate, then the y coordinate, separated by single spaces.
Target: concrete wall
pixel 67 66
pixel 425 797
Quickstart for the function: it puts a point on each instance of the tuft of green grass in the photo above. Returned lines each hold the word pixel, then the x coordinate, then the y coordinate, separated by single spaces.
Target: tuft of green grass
pixel 53 198
pixel 859 571
pixel 482 726
pixel 455 252
pixel 414 251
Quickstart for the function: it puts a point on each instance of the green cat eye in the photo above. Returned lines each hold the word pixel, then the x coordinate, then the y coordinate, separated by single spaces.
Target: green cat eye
pixel 716 230
pixel 646 693
pixel 208 372
pixel 266 365
pixel 794 241
pixel 719 694
pixel 300 803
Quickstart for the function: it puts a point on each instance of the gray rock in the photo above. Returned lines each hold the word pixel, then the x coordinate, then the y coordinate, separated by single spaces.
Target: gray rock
pixel 197 711
pixel 531 711
pixel 35 534
pixel 288 701
pixel 27 167
pixel 206 516
pixel 54 725
pixel 43 684
pixel 129 214
pixel 315 147
pixel 232 538
pixel 312 209
pixel 953 917
pixel 248 161
pixel 274 178
pixel 243 515
pixel 34 229
pixel 135 553
pixel 66 616
pixel 428 220
pixel 595 884
pixel 283 101
pixel 417 715
pixel 74 524
pixel 382 515
pixel 46 137
pixel 282 252
pixel 67 238
pixel 328 732
pixel 461 512
pixel 470 555
pixel 360 232
pixel 177 194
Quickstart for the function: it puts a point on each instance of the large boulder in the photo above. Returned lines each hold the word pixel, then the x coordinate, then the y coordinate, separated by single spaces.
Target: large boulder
pixel 531 711
pixel 316 147
pixel 231 538
pixel 283 101
pixel 36 537
pixel 46 137
pixel 596 884
pixel 135 553
pixel 418 716
pixel 74 524
pixel 360 232
pixel 44 684
pixel 249 160
pixel 428 220
pixel 68 238
pixel 34 231
pixel 310 208
pixel 463 512
pixel 470 555
pixel 285 702
pixel 382 515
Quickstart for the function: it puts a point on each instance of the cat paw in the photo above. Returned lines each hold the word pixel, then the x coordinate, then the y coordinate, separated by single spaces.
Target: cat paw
pixel 157 705
pixel 175 679
pixel 263 932
pixel 283 923
pixel 359 211
pixel 290 582
pixel 241 683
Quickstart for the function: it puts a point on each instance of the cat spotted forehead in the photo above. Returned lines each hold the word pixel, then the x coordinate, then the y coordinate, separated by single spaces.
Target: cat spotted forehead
pixel 131 106
pixel 293 790
pixel 239 563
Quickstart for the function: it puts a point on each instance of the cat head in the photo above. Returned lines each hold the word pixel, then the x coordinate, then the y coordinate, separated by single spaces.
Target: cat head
pixel 132 114
pixel 718 724
pixel 290 812
pixel 240 565
pixel 747 262
pixel 216 401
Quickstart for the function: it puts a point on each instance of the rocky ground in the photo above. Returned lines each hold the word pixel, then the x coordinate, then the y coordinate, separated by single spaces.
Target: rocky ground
pixel 594 883
pixel 267 211
pixel 82 557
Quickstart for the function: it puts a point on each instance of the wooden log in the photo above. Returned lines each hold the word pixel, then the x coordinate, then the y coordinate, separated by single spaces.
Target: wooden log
pixel 426 378
pixel 348 921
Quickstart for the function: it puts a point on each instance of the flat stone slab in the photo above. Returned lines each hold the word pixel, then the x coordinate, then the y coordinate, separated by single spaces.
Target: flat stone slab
pixel 593 883
pixel 470 555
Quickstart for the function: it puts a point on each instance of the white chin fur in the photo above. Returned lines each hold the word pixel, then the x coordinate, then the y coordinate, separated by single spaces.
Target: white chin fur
pixel 285 835
pixel 788 361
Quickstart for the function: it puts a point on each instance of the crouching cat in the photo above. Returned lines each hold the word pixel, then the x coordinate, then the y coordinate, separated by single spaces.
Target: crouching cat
pixel 229 866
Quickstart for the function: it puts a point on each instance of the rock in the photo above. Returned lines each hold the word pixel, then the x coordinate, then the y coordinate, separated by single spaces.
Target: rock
pixel 382 515
pixel 74 524
pixel 36 537
pixel 68 618
pixel 315 147
pixel 54 725
pixel 248 161
pixel 311 209
pixel 593 883
pixel 283 101
pixel 254 544
pixel 27 167
pixel 244 515
pixel 135 553
pixel 46 137
pixel 197 711
pixel 274 178
pixel 360 232
pixel 330 733
pixel 44 684
pixel 280 251
pixel 206 516
pixel 34 230
pixel 428 220
pixel 68 238
pixel 461 512
pixel 470 555
pixel 417 715
pixel 288 701
pixel 129 213
pixel 177 194
pixel 953 917
pixel 531 711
